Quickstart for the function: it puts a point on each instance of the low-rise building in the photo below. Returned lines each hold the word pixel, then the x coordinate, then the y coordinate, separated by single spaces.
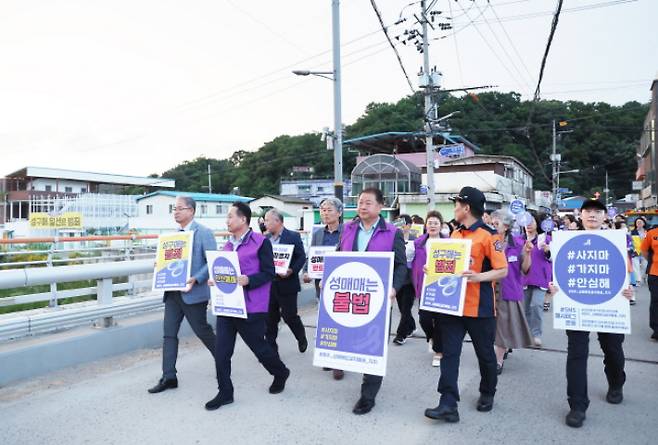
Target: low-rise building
pixel 292 209
pixel 646 155
pixel 314 190
pixel 155 210
pixel 37 199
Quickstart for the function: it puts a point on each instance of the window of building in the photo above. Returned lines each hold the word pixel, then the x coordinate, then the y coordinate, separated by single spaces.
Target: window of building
pixel 49 188
pixel 204 209
pixel 220 209
pixel 83 189
pixel 149 209
pixel 171 208
pixel 68 189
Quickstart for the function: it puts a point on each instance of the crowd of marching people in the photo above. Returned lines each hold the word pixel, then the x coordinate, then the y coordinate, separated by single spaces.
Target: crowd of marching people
pixel 508 293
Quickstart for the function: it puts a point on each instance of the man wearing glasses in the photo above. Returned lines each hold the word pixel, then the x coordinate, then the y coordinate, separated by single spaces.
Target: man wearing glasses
pixel 191 303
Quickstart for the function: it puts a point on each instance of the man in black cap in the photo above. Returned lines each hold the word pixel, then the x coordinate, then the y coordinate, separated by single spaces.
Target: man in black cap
pixel 592 214
pixel 487 264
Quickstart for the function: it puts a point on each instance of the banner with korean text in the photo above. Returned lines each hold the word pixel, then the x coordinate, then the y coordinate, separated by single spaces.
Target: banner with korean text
pixel 316 260
pixel 226 296
pixel 444 289
pixel 353 321
pixel 590 272
pixel 282 256
pixel 173 260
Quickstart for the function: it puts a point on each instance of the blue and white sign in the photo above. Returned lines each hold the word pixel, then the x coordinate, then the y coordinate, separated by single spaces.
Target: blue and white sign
pixel 353 315
pixel 226 296
pixel 452 150
pixel 590 273
pixel 517 206
pixel 547 225
pixel 423 189
pixel 612 212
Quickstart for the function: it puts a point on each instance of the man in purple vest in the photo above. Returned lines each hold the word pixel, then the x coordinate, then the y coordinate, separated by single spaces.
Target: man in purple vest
pixel 257 267
pixel 370 233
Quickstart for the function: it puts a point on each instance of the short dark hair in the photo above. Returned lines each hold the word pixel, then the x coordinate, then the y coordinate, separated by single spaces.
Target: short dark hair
pixel 417 219
pixel 243 209
pixel 406 218
pixel 189 202
pixel 476 212
pixel 379 196
pixel 434 214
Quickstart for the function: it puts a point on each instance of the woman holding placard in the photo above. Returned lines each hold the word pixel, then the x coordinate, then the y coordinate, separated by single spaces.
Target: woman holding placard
pixel 428 320
pixel 511 326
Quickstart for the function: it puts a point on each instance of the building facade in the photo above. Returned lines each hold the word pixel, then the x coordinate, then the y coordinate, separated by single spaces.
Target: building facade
pixel 646 155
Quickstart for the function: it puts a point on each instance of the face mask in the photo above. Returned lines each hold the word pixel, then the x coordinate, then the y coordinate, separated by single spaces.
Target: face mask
pixel 445 232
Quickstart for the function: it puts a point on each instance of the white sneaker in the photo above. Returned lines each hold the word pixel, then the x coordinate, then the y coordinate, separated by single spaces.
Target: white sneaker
pixel 537 341
pixel 436 359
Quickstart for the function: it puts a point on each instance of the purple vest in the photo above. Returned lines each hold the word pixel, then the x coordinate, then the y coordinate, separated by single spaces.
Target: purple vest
pixel 511 287
pixel 381 241
pixel 541 271
pixel 420 258
pixel 258 299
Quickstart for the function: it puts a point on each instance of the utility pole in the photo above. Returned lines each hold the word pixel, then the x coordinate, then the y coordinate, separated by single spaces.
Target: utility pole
pixel 429 140
pixel 338 121
pixel 555 159
pixel 209 180
pixel 606 190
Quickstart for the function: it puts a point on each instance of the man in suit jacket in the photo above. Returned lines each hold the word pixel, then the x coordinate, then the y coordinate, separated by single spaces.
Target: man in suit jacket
pixel 283 296
pixel 191 303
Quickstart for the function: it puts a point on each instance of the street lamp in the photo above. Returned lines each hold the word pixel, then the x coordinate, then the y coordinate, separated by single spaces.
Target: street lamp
pixel 335 77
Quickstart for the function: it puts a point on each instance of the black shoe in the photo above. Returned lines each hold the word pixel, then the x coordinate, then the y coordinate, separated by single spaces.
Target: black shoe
pixel 279 383
pixel 654 336
pixel 485 403
pixel 163 385
pixel 499 369
pixel 614 396
pixel 575 418
pixel 218 401
pixel 363 406
pixel 302 345
pixel 399 340
pixel 446 413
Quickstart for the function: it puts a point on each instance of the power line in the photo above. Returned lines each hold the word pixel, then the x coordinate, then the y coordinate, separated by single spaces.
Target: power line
pixel 518 71
pixel 556 18
pixel 266 26
pixel 493 51
pixel 397 55
pixel 509 39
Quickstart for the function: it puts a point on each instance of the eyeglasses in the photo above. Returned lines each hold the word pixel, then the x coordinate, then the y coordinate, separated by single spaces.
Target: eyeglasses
pixel 180 209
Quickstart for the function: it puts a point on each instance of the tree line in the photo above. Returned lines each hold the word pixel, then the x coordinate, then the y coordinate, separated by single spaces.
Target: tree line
pixel 593 137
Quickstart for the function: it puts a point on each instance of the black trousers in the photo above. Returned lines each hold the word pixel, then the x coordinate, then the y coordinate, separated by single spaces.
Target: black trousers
pixel 577 353
pixel 429 322
pixel 252 330
pixel 653 306
pixel 175 310
pixel 283 306
pixel 405 299
pixel 483 334
pixel 370 386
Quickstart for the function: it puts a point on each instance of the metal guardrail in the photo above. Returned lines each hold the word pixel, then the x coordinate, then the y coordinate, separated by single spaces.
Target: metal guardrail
pixel 131 262
pixel 21 324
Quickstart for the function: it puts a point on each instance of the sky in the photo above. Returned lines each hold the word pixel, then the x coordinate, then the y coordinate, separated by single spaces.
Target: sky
pixel 136 87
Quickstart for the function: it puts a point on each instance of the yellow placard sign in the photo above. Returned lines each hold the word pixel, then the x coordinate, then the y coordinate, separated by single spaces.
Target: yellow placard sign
pixel 66 220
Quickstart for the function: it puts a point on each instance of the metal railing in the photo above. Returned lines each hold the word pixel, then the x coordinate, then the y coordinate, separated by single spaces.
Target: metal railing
pixel 102 313
pixel 135 257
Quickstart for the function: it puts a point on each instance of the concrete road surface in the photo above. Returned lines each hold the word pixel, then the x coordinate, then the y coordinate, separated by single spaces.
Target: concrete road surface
pixel 106 402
